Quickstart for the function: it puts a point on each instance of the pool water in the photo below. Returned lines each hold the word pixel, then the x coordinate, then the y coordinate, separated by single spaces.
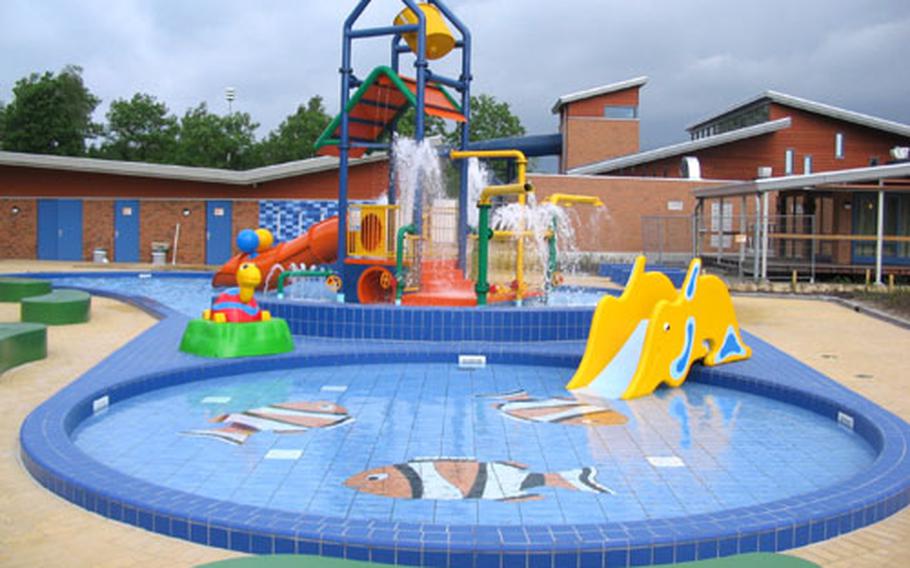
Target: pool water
pixel 695 449
pixel 191 295
pixel 187 295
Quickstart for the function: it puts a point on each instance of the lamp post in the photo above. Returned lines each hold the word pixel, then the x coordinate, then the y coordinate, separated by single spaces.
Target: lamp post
pixel 229 95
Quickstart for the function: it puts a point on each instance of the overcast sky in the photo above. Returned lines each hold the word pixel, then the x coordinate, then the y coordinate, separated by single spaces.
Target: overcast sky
pixel 700 55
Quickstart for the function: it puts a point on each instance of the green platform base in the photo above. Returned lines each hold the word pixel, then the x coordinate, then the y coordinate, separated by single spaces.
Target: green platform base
pixel 60 307
pixel 21 343
pixel 224 340
pixel 14 289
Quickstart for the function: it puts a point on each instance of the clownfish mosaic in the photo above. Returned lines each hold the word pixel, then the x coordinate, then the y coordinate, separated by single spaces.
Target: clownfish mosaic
pixel 281 418
pixel 467 478
pixel 557 410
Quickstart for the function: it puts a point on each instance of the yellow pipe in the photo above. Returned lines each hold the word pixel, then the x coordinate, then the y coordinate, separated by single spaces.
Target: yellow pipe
pixel 520 188
pixel 508 234
pixel 570 199
pixel 518 155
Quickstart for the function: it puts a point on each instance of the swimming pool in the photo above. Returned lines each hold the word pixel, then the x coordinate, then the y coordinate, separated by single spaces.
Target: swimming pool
pixel 704 421
pixel 288 440
pixel 190 293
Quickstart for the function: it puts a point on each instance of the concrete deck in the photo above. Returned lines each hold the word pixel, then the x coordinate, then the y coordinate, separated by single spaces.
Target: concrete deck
pixel 39 529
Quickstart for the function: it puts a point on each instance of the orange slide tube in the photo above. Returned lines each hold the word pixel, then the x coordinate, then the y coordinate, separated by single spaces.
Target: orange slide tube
pixel 319 245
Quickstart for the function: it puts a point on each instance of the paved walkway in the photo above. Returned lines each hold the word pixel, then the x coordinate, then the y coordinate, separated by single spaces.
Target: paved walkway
pixel 870 357
pixel 39 529
pixel 36 527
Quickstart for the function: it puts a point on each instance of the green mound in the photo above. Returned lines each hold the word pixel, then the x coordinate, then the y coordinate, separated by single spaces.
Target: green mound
pixel 14 289
pixel 224 340
pixel 21 343
pixel 60 307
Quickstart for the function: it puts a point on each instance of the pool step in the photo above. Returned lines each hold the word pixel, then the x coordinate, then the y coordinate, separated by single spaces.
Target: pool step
pixel 13 289
pixel 21 343
pixel 60 307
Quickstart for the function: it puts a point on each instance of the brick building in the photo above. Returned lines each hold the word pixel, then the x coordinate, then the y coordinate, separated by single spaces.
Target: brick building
pixel 60 208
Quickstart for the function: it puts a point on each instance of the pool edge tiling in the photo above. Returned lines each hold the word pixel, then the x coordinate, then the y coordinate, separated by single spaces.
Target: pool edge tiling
pixel 52 458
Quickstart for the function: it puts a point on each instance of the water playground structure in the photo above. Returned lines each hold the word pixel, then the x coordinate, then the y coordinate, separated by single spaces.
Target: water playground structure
pixel 438 432
pixel 411 250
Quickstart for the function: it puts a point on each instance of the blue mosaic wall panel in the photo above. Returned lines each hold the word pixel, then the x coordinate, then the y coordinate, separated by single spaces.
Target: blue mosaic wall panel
pixel 289 219
pixel 401 323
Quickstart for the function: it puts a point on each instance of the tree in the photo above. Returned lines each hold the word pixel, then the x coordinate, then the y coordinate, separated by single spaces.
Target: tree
pixel 490 119
pixel 2 123
pixel 213 141
pixel 295 136
pixel 50 114
pixel 433 125
pixel 140 130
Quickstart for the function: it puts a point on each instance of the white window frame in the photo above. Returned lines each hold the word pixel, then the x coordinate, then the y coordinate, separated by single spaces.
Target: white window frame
pixel 807 164
pixel 789 159
pixel 839 146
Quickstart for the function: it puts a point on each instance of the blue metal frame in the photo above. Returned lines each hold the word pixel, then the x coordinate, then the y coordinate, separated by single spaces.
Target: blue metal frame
pixel 349 81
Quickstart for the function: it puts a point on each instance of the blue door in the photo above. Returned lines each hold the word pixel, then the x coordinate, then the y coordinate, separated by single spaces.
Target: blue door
pixel 126 231
pixel 60 229
pixel 217 232
pixel 47 229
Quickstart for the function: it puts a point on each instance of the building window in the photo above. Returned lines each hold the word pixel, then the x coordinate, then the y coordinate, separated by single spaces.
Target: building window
pixel 873 161
pixel 839 145
pixel 807 165
pixel 788 161
pixel 621 112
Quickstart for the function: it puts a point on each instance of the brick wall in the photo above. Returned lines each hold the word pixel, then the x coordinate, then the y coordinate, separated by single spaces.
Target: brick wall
pixel 589 137
pixel 157 222
pixel 244 215
pixel 18 233
pixel 590 140
pixel 809 134
pixel 97 227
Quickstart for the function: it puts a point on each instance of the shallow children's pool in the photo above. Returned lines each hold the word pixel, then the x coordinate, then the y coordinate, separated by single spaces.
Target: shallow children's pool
pixel 492 446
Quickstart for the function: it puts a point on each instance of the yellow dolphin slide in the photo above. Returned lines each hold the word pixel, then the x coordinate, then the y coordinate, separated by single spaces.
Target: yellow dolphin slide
pixel 653 333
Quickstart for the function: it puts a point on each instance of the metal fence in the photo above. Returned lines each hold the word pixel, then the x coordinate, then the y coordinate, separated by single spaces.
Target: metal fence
pixel 736 242
pixel 776 247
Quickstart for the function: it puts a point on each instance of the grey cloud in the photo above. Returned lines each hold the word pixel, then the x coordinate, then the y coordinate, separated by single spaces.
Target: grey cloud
pixel 700 55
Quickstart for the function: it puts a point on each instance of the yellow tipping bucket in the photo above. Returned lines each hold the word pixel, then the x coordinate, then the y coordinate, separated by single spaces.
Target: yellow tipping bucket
pixel 440 40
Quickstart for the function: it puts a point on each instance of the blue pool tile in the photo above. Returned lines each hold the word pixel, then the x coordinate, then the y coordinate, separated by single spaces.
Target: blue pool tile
pixel 382 555
pixel 284 545
pixel 308 547
pixel 407 557
pixel 262 544
pixel 641 556
pixel 538 561
pixel 514 560
pixel 357 553
pixel 767 542
pixel 685 552
pixel 218 537
pixel 663 554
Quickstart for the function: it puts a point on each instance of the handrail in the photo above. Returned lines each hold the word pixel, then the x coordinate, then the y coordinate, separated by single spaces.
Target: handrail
pixel 305 273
